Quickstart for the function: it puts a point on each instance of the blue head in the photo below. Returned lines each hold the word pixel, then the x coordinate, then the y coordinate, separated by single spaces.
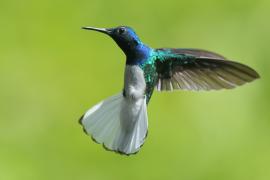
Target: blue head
pixel 126 39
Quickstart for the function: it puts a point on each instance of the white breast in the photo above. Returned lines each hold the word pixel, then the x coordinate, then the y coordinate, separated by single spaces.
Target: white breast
pixel 133 113
pixel 134 84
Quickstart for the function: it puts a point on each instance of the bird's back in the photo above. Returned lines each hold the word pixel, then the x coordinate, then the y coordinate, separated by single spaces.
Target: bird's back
pixel 150 76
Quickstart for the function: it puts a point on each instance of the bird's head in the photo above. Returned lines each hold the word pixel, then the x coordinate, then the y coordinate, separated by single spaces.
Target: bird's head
pixel 124 36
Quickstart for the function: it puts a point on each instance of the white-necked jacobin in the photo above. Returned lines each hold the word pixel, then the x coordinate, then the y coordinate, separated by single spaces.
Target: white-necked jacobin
pixel 120 122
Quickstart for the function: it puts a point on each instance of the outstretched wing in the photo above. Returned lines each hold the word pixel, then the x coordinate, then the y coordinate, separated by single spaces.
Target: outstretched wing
pixel 194 69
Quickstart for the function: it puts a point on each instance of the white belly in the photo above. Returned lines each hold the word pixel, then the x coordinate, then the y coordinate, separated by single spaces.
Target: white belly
pixel 134 83
pixel 134 99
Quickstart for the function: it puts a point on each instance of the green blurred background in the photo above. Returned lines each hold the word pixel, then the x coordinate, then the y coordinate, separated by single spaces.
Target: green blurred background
pixel 51 72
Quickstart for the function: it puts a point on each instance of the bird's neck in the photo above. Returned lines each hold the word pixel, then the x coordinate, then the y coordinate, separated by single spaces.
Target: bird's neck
pixel 137 54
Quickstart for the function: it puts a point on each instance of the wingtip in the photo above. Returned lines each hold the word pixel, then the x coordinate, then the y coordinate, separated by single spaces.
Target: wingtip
pixel 257 75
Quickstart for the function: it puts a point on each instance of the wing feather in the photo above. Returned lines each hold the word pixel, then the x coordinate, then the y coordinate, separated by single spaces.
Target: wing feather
pixel 201 70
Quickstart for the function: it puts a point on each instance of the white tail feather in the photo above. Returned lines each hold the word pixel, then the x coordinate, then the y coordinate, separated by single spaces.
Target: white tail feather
pixel 118 123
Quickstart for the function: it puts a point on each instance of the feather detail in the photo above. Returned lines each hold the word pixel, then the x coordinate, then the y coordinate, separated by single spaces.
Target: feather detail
pixel 198 53
pixel 119 124
pixel 193 69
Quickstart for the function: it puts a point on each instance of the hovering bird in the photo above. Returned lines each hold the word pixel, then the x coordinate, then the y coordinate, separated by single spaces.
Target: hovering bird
pixel 120 122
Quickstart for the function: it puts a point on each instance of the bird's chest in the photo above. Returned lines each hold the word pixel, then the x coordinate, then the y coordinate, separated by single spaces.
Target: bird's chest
pixel 134 84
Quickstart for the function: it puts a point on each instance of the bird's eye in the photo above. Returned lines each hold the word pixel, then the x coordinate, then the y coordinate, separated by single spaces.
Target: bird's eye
pixel 121 30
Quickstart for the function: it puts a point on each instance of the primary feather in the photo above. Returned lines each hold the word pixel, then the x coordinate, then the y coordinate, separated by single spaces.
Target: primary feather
pixel 192 69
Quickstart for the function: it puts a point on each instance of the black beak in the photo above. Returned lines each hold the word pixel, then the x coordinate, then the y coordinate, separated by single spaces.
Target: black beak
pixel 102 30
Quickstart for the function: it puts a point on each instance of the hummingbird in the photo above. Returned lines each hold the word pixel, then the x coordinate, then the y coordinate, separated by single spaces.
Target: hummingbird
pixel 120 122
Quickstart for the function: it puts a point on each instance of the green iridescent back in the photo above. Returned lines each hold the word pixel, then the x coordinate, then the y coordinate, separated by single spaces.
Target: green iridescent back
pixel 160 61
pixel 150 76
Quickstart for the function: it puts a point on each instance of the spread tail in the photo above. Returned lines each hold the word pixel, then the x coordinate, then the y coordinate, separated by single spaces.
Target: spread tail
pixel 119 124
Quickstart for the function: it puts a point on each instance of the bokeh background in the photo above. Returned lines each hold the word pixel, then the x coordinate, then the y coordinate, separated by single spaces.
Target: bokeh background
pixel 51 72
